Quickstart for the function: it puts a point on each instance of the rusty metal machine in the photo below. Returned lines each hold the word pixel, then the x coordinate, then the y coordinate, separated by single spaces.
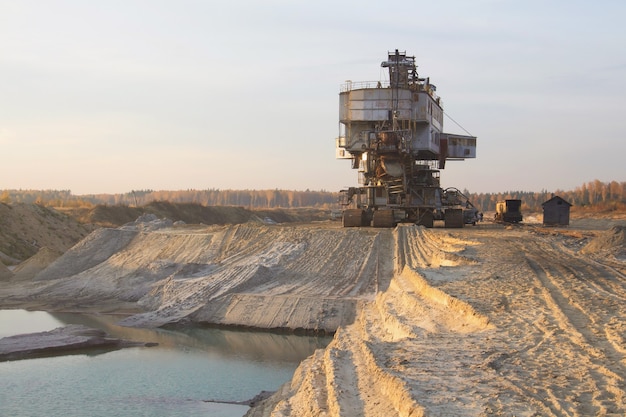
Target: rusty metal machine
pixel 392 131
pixel 509 211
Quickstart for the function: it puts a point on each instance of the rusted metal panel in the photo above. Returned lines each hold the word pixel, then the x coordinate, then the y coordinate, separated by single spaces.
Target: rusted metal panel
pixel 459 146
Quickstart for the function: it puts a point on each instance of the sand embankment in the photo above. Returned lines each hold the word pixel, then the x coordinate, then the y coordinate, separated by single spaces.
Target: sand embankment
pixel 253 275
pixel 513 322
pixel 61 341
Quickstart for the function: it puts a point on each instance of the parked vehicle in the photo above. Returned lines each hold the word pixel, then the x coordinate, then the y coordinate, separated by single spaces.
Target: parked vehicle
pixel 509 211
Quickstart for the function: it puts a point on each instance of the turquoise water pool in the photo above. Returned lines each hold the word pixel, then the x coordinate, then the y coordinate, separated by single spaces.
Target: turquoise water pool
pixel 176 378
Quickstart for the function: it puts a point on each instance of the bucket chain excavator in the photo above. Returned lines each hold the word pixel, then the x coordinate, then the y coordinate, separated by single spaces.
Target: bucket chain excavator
pixel 392 131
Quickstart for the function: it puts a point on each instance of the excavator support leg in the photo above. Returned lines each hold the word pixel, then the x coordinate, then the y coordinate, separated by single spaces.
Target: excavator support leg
pixel 453 218
pixel 383 218
pixel 353 218
pixel 426 218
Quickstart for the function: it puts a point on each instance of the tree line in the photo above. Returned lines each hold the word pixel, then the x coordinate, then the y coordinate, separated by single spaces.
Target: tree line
pixel 594 194
pixel 211 197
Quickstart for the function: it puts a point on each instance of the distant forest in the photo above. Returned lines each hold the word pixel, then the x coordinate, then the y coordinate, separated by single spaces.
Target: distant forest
pixel 596 195
pixel 211 197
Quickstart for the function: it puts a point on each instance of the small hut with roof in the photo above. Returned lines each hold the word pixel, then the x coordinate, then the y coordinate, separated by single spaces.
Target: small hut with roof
pixel 556 212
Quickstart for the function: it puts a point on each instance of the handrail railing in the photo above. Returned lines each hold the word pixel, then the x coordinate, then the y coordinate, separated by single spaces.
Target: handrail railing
pixel 357 85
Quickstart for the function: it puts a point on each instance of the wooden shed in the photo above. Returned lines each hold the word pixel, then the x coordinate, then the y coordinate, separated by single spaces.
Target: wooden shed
pixel 556 212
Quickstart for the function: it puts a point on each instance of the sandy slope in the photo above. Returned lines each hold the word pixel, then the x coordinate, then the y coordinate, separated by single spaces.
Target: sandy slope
pixel 309 277
pixel 478 321
pixel 27 228
pixel 521 326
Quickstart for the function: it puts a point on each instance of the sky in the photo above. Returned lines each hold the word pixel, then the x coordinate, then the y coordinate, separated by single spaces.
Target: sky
pixel 113 96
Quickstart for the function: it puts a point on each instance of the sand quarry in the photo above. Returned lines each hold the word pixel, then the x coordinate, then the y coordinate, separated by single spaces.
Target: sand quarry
pixel 480 321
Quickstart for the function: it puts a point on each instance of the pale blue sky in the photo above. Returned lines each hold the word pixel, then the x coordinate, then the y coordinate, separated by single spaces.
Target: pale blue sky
pixel 113 96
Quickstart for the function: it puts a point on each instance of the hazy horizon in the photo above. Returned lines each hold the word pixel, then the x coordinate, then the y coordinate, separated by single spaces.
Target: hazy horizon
pixel 120 96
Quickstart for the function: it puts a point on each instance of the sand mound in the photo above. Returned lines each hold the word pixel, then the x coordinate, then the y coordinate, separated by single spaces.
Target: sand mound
pixel 613 241
pixel 306 277
pixel 262 276
pixel 193 213
pixel 148 222
pixel 35 264
pixel 25 228
pixel 89 252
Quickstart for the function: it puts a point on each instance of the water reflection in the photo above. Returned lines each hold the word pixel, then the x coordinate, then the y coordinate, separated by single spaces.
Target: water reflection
pixel 261 346
pixel 14 322
pixel 190 365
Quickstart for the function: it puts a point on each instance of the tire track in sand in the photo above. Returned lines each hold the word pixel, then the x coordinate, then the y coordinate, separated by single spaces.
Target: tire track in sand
pixel 570 287
pixel 545 302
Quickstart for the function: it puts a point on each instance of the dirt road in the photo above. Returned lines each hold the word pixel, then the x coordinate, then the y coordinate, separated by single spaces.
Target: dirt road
pixel 478 321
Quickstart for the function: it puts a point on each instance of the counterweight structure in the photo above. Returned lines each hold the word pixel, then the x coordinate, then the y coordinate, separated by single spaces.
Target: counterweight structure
pixel 392 132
